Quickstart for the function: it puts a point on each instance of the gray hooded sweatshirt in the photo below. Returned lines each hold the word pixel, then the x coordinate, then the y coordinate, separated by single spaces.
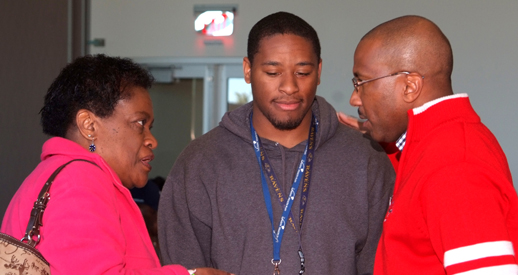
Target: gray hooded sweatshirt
pixel 212 211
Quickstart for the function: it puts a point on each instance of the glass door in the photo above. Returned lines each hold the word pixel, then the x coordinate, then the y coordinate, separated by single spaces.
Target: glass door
pixel 189 98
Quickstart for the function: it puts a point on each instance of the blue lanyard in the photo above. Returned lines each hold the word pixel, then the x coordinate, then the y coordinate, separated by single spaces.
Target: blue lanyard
pixel 303 171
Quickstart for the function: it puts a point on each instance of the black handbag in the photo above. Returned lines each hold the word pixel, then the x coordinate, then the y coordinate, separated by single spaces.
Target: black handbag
pixel 21 256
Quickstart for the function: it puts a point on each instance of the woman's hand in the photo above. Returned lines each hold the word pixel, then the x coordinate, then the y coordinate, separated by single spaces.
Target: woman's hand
pixel 210 271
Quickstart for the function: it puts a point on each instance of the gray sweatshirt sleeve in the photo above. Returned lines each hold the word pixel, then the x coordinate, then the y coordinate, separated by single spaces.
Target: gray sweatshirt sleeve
pixel 381 178
pixel 184 235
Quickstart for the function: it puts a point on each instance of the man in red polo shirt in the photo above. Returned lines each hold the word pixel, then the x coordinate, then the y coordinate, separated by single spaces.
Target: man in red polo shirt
pixel 454 209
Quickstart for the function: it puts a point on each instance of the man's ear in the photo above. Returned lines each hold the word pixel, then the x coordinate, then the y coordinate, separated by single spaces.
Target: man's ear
pixel 86 123
pixel 247 67
pixel 319 70
pixel 414 86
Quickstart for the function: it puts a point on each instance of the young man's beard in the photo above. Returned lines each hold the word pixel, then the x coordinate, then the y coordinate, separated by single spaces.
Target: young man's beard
pixel 290 124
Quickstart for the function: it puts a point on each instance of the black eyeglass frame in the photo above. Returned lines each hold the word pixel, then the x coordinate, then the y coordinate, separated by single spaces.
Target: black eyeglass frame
pixel 357 83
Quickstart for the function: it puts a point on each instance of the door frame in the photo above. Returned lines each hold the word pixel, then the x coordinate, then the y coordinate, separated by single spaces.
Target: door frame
pixel 214 70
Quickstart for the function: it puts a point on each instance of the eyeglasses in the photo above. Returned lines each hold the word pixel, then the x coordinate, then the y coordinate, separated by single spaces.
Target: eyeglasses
pixel 357 83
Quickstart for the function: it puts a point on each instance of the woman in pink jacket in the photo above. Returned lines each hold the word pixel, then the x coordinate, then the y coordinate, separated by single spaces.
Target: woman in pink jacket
pixel 98 109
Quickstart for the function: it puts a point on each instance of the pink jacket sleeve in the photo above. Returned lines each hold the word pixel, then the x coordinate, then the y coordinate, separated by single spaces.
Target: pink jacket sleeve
pixel 92 226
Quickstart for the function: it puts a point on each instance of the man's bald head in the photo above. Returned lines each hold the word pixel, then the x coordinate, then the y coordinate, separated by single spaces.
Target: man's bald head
pixel 415 44
pixel 410 44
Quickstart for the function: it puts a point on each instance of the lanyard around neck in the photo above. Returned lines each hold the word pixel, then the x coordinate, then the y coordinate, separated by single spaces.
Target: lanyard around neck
pixel 303 171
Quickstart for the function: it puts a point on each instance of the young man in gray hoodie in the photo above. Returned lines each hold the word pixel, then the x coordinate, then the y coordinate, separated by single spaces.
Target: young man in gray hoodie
pixel 280 185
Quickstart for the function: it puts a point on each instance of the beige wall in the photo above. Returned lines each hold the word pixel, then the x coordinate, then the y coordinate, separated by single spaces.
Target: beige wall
pixel 33 49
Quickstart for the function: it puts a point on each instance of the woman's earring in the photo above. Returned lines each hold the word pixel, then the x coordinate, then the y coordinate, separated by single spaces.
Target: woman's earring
pixel 92 146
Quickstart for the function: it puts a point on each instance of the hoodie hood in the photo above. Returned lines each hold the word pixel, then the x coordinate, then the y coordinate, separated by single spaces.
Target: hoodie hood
pixel 238 121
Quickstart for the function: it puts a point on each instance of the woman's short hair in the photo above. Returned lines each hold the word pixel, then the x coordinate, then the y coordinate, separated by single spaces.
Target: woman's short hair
pixel 95 83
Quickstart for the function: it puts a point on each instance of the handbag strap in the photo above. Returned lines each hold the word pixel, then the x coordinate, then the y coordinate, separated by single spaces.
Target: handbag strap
pixel 33 227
